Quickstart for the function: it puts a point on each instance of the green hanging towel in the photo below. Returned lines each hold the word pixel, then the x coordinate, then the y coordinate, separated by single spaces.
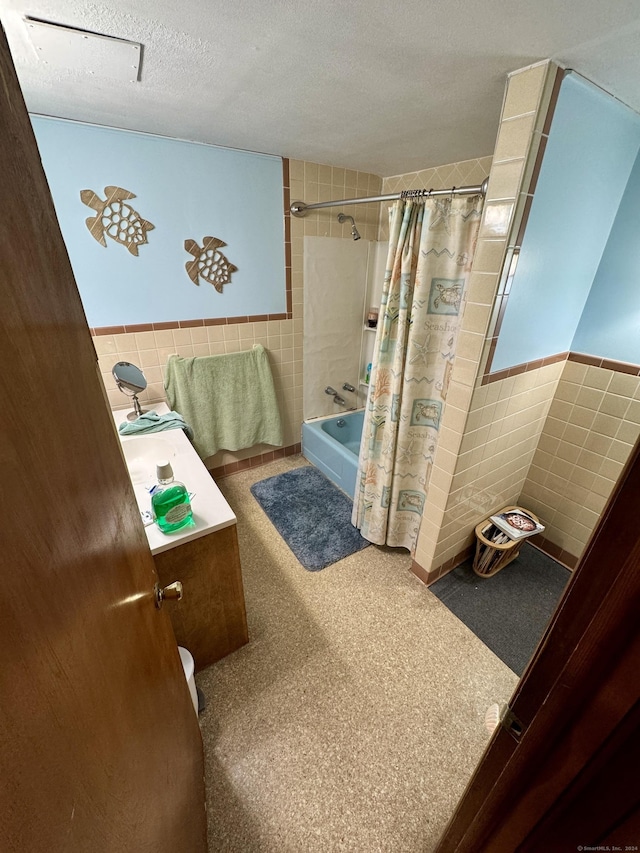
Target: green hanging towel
pixel 228 400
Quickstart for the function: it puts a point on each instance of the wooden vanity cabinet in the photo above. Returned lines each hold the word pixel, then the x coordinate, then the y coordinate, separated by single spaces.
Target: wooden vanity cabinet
pixel 211 619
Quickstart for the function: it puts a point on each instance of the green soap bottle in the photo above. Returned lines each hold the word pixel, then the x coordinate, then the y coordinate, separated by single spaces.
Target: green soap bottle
pixel 170 501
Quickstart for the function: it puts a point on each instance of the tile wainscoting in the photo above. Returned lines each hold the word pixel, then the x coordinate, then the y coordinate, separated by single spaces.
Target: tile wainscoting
pixel 552 436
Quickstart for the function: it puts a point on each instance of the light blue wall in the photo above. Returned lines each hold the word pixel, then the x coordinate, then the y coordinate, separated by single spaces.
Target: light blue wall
pixel 188 191
pixel 592 146
pixel 610 323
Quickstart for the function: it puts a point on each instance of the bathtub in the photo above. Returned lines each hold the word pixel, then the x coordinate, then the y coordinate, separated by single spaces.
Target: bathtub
pixel 334 449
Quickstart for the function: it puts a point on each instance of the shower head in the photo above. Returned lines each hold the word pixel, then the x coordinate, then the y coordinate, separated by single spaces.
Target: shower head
pixel 354 231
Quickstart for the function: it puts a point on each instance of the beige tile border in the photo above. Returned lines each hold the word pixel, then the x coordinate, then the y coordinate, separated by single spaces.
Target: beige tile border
pixel 577 357
pixel 606 363
pixel 524 368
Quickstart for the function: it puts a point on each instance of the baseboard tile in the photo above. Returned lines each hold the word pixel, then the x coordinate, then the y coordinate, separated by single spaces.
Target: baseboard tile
pixel 565 558
pixel 435 574
pixel 254 461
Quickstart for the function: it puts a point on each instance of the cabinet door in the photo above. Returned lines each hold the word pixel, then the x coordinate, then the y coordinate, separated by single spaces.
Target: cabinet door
pixel 211 621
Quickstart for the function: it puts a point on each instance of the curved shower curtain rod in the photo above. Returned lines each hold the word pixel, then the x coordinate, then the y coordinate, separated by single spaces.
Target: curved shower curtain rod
pixel 299 208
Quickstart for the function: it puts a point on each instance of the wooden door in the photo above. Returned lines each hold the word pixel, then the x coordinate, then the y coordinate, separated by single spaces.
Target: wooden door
pixel 569 781
pixel 100 749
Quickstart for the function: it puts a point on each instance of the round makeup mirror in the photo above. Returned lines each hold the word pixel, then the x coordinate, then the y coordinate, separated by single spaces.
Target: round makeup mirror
pixel 130 380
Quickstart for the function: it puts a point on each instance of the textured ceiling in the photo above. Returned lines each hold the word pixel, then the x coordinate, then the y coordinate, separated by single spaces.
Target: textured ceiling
pixel 377 86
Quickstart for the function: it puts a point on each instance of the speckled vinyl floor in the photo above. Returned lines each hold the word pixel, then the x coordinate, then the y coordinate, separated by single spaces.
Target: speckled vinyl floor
pixel 353 719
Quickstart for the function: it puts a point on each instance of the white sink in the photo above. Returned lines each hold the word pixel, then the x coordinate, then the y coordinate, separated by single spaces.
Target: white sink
pixel 211 512
pixel 141 455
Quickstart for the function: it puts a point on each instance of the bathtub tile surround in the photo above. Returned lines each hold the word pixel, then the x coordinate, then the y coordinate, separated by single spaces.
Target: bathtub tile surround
pixel 335 278
pixel 457 499
pixel 376 217
pixel 464 173
pixel 311 182
pixel 335 274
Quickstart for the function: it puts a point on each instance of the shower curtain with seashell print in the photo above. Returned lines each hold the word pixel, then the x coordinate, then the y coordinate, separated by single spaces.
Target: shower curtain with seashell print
pixel 431 247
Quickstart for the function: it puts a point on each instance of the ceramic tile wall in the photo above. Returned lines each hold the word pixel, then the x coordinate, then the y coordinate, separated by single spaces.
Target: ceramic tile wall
pixel 466 173
pixel 593 423
pixel 467 474
pixel 150 351
pixel 312 183
pixel 501 433
pixel 522 138
pixel 309 182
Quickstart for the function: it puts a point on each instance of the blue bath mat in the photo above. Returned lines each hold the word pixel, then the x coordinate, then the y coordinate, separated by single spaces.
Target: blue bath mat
pixel 312 516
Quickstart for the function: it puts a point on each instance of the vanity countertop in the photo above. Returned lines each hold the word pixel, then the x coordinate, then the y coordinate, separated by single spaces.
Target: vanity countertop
pixel 211 511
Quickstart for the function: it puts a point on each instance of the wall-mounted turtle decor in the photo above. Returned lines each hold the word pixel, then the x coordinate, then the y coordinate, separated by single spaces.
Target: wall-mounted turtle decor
pixel 209 262
pixel 120 221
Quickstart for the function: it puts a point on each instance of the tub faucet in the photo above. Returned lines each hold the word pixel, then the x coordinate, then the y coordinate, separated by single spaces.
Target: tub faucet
pixel 347 387
pixel 336 397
